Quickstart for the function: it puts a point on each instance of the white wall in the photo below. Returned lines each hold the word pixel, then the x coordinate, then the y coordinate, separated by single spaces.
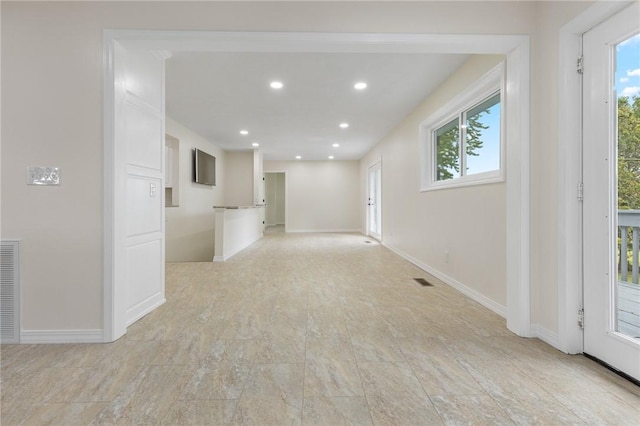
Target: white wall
pixel 469 223
pixel 321 195
pixel 238 178
pixel 190 226
pixel 52 99
pixel 275 196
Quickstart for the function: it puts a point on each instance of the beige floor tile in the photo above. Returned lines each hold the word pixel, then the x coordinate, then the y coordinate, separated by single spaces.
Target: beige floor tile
pixel 536 410
pixel 405 408
pixel 191 347
pixel 325 323
pixel 332 377
pixel 99 383
pixel 341 411
pixel 470 410
pixel 389 378
pixel 267 412
pixel 20 363
pixel 148 397
pixel 65 414
pixel 320 328
pixel 282 381
pixel 223 380
pixel 601 408
pixel 376 346
pixel 202 412
pixel 233 351
pixel 437 369
pixel 282 349
pixel 501 378
pixel 41 386
pixel 15 411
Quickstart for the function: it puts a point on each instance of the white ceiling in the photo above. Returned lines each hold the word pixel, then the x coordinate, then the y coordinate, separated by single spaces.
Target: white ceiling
pixel 218 94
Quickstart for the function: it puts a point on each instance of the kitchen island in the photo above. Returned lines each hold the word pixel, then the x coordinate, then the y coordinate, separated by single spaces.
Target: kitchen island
pixel 237 227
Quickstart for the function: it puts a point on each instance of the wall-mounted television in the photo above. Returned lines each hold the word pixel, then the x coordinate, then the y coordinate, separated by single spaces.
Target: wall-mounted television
pixel 204 168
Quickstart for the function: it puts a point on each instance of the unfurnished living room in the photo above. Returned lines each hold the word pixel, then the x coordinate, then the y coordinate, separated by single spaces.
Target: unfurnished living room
pixel 320 213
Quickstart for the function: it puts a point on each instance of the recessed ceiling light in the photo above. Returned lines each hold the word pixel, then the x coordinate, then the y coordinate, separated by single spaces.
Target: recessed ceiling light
pixel 361 85
pixel 335 145
pixel 331 157
pixel 276 85
pixel 244 132
pixel 344 125
pixel 298 157
pixel 255 144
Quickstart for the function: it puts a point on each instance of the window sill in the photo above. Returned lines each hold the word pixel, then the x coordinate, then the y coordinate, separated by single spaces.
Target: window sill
pixel 474 180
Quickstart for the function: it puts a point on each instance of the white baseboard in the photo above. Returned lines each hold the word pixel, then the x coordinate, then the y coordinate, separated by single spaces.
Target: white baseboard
pixel 545 335
pixel 221 258
pixel 146 306
pixel 61 336
pixel 473 294
pixel 335 231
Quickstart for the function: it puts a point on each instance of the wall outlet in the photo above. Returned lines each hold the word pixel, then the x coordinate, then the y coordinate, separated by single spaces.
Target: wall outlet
pixel 446 256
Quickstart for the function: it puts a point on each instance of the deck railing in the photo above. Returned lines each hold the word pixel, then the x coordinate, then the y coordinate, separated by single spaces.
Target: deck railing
pixel 629 226
pixel 628 290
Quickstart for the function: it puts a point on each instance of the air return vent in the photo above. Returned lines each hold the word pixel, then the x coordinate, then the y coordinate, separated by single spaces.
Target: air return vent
pixel 423 282
pixel 9 292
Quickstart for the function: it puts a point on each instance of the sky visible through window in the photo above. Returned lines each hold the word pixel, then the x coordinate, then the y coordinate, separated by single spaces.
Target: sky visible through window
pixel 628 67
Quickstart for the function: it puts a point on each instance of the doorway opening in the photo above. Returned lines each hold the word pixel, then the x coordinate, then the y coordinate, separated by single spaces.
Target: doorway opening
pixel 133 45
pixel 374 201
pixel 275 195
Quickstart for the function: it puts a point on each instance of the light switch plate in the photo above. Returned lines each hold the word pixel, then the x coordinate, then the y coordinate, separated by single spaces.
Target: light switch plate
pixel 37 175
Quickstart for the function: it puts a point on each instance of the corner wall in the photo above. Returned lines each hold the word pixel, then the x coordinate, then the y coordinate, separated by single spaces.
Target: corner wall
pixel 321 196
pixel 189 228
pixel 238 178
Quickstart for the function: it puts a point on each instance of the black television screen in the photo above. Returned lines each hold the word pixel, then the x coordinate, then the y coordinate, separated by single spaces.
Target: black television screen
pixel 204 168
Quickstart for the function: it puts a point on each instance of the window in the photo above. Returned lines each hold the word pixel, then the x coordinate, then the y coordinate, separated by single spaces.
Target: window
pixel 461 143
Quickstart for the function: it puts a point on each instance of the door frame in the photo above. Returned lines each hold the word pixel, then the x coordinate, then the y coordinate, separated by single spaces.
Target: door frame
pixel 286 189
pixel 516 48
pixel 570 290
pixel 378 163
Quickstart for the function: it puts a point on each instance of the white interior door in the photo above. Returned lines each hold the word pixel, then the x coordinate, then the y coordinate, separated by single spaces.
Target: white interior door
pixel 611 293
pixel 138 185
pixel 374 201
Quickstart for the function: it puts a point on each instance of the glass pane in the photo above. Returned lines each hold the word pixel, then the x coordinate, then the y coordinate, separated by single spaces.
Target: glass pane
pixel 627 75
pixel 483 137
pixel 448 151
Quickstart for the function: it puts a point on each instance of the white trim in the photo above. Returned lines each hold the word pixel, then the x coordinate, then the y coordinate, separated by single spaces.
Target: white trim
pixel 110 288
pixel 335 231
pixel 219 258
pixel 570 173
pixel 467 291
pixel 483 88
pixel 377 163
pixel 545 335
pixel 145 307
pixel 515 47
pixel 286 197
pixel 61 336
pixel 517 141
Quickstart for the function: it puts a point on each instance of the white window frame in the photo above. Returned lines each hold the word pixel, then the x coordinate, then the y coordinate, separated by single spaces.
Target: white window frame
pixel 486 86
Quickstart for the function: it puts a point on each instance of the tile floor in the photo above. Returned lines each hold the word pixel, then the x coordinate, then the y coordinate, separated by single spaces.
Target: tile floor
pixel 316 330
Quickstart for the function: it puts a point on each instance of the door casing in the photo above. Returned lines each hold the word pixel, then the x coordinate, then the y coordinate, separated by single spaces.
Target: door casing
pixel 515 47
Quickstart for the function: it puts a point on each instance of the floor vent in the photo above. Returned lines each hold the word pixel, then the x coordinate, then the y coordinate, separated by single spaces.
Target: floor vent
pixel 9 292
pixel 423 282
